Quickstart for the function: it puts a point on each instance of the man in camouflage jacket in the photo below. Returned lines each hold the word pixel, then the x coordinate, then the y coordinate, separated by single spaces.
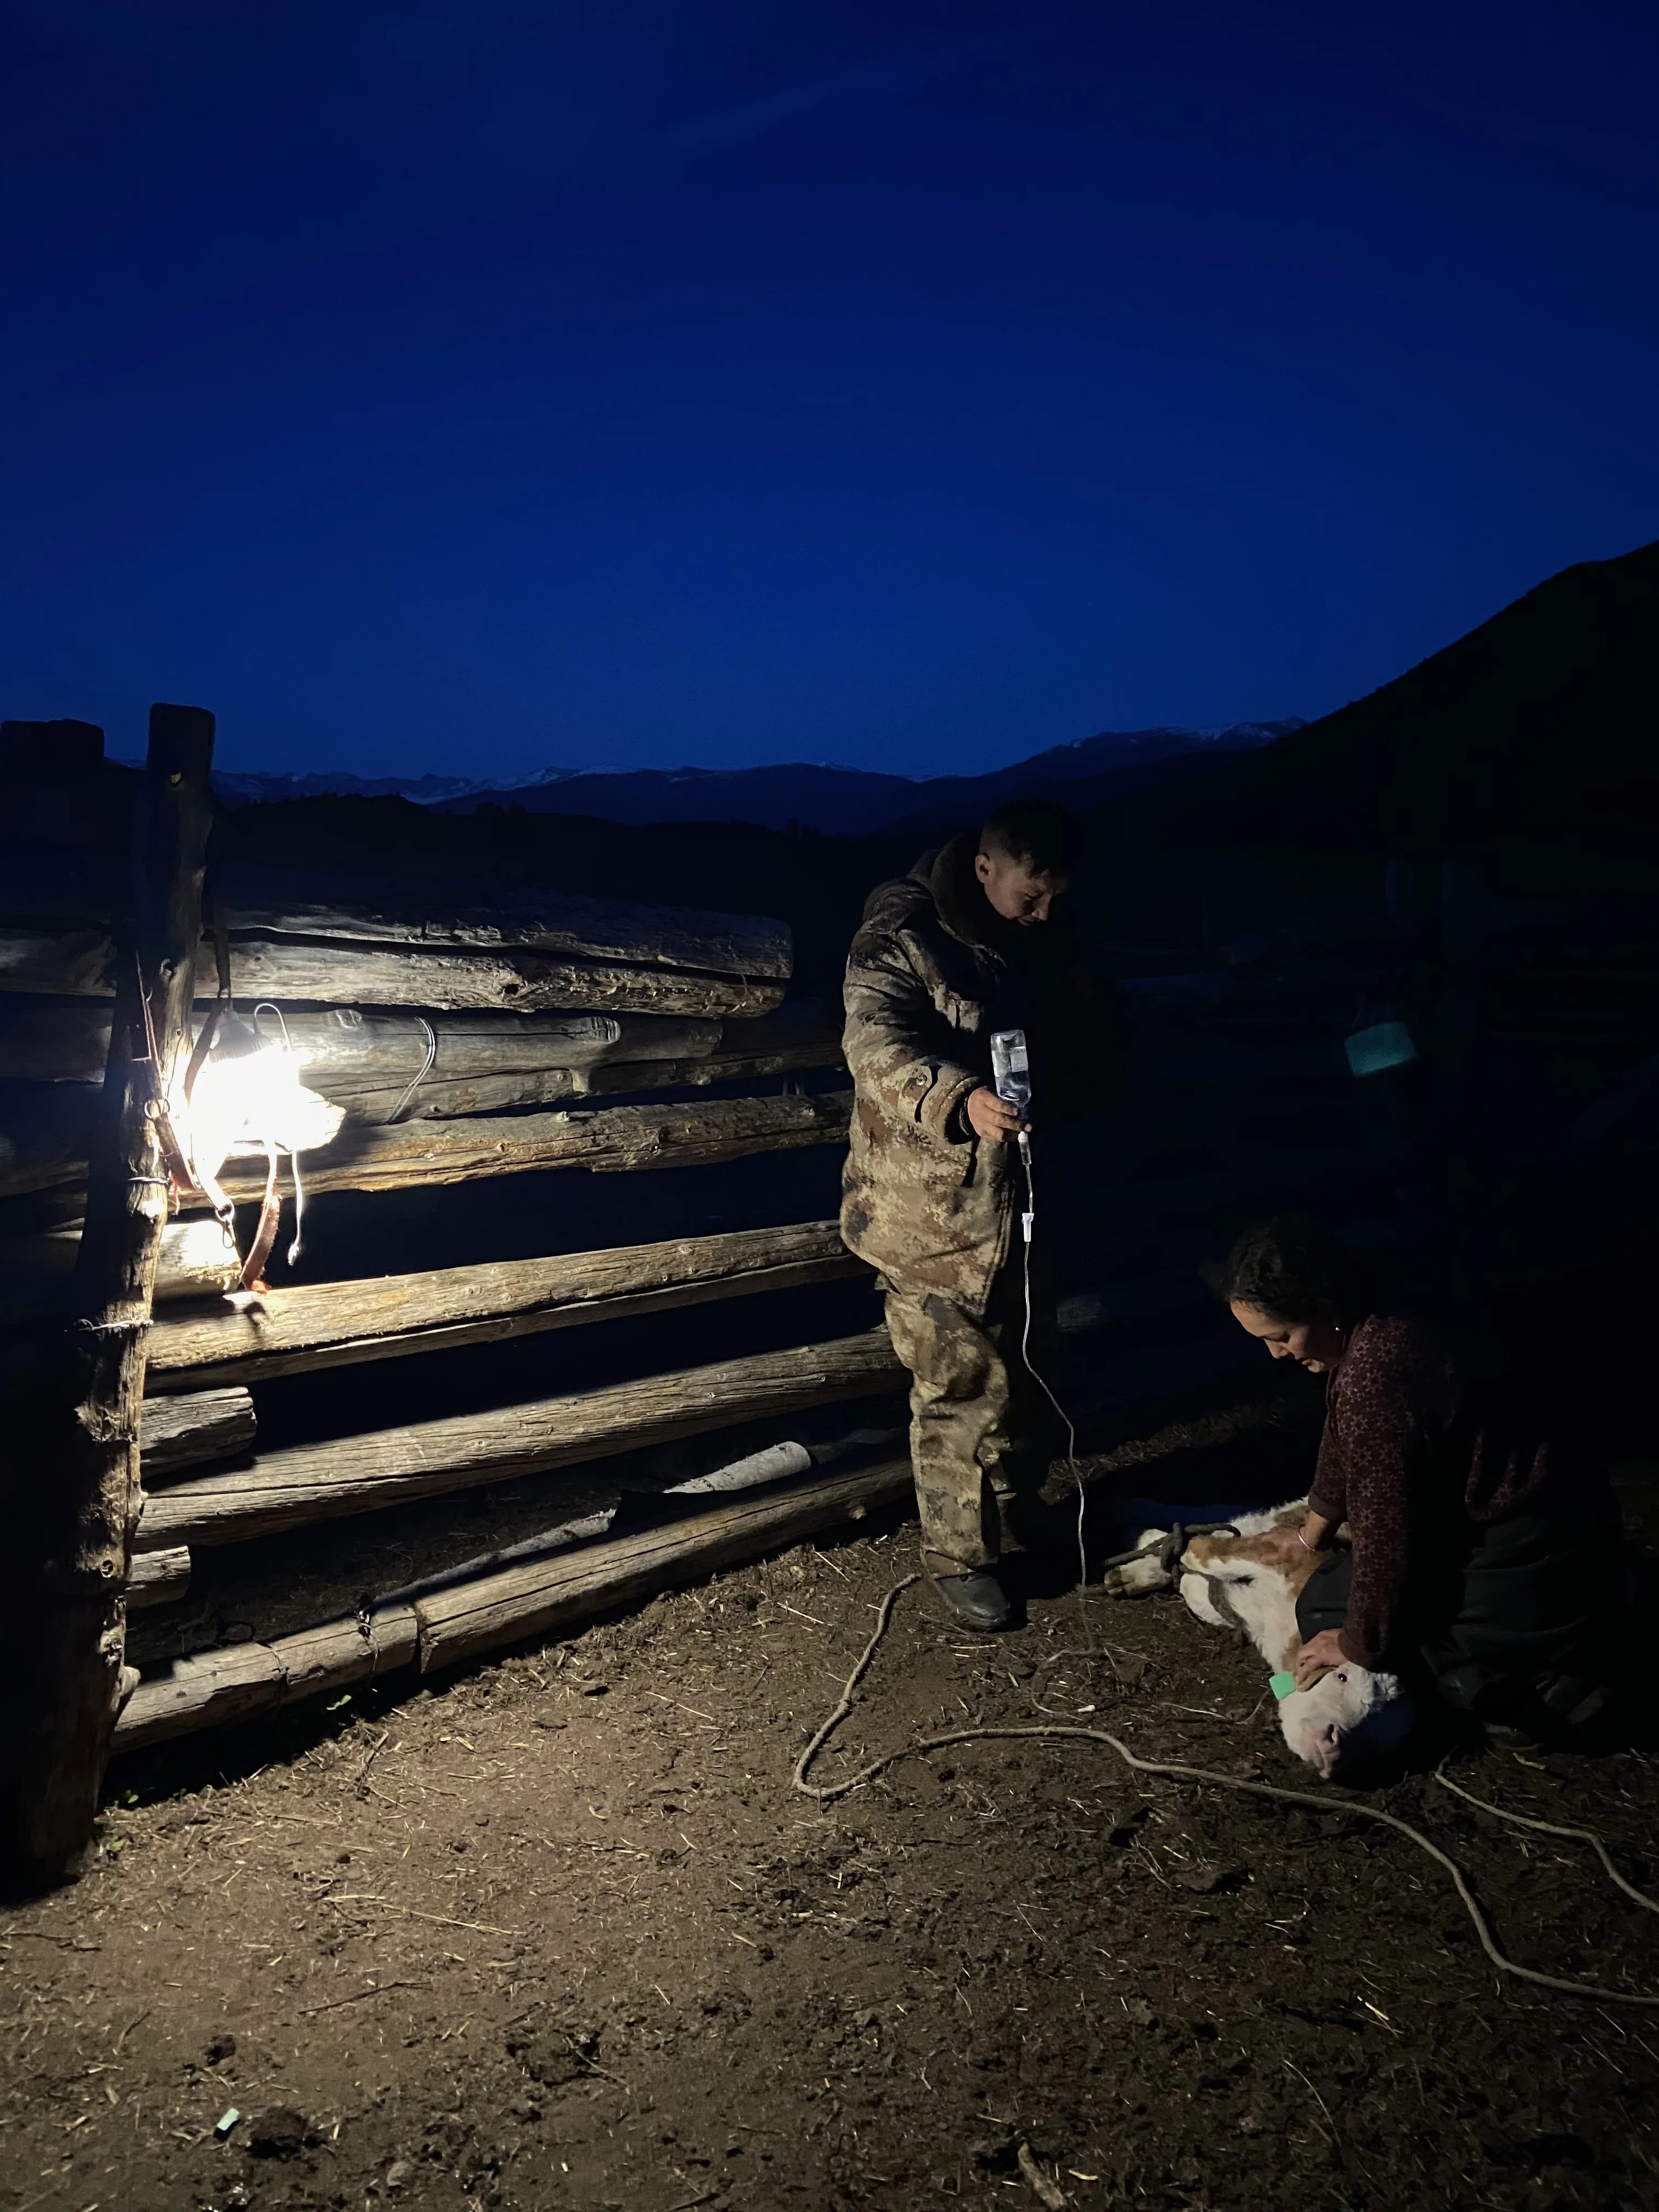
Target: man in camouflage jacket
pixel 975 939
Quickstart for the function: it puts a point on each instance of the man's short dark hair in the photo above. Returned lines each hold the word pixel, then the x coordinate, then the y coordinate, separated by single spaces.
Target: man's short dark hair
pixel 1044 837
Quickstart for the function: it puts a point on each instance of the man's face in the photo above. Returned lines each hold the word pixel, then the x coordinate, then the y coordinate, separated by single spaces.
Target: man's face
pixel 1019 893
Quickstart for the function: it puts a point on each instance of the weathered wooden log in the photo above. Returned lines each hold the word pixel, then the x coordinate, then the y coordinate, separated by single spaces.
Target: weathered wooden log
pixel 197 1260
pixel 190 1428
pixel 407 1155
pixel 201 1691
pixel 376 1066
pixel 86 1475
pixel 159 1577
pixel 356 1474
pixel 79 962
pixel 345 1052
pixel 82 963
pixel 545 1595
pixel 290 1332
pixel 427 911
pixel 525 983
pixel 210 1689
pixel 213 1687
pixel 391 911
pixel 551 1086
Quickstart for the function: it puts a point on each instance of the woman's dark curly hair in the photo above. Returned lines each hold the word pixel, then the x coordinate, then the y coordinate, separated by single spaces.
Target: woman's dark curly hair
pixel 1293 1271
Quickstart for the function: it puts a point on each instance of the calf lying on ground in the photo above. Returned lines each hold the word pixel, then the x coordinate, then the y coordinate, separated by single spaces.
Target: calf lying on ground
pixel 1232 1582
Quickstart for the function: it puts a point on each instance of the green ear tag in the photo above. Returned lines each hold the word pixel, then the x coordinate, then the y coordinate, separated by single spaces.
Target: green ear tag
pixel 1281 1686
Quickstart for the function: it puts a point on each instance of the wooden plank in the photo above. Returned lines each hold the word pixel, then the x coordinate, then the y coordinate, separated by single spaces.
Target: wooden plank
pixel 303 1483
pixel 204 1690
pixel 373 910
pixel 214 1687
pixel 85 1479
pixel 608 1140
pixel 44 1127
pixel 197 1261
pixel 188 1430
pixel 291 1331
pixel 158 1578
pixel 525 983
pixel 437 1100
pixel 545 1596
pixel 82 964
pixel 36 1272
pixel 79 962
pixel 533 919
pixel 209 1689
pixel 337 1653
pixel 400 1155
pixel 344 1051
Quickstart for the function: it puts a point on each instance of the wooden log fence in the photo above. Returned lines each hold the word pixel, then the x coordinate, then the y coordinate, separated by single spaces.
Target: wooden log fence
pixel 303 1483
pixel 304 904
pixel 608 1141
pixel 460 1012
pixel 346 1054
pixel 532 1599
pixel 85 963
pixel 158 1578
pixel 87 1472
pixel 293 1331
pixel 192 1429
pixel 408 1155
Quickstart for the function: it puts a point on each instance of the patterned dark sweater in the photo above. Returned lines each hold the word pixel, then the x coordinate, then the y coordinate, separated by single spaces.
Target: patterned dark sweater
pixel 1418 1449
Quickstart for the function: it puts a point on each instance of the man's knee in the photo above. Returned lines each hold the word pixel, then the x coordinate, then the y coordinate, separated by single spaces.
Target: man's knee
pixel 950 1356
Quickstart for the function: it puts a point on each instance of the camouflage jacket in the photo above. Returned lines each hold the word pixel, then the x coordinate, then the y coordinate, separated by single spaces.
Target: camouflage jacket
pixel 934 972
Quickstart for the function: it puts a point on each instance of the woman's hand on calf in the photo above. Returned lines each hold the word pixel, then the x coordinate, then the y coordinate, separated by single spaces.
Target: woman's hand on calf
pixel 1321 1655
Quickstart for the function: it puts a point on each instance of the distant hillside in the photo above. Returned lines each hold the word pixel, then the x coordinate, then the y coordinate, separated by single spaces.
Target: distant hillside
pixel 836 801
pixel 1545 715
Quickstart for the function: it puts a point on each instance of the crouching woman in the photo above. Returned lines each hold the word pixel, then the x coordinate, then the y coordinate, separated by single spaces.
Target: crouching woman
pixel 1482 1542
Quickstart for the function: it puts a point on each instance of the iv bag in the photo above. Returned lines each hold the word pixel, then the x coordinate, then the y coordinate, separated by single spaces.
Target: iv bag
pixel 1011 1067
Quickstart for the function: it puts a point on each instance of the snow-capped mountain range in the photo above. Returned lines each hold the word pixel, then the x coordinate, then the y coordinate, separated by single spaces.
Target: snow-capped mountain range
pixel 840 801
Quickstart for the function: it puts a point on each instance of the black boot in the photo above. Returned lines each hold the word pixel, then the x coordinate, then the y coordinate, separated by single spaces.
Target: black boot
pixel 973 1598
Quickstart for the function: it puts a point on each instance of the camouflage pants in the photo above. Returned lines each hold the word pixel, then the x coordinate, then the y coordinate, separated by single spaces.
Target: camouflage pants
pixel 979 1423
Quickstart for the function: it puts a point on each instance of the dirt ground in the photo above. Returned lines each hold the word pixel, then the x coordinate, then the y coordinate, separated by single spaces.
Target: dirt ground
pixel 559 1934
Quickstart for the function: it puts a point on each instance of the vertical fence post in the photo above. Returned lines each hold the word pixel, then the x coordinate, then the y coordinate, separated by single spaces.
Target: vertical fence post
pixel 85 1481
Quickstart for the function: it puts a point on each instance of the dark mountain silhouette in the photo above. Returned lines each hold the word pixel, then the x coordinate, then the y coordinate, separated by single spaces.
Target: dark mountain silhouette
pixel 837 801
pixel 1545 715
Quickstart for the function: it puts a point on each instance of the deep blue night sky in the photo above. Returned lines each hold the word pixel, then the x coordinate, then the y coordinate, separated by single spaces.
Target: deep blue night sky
pixel 480 387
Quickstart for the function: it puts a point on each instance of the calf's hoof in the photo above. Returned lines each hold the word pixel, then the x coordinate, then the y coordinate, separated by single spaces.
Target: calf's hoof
pixel 975 1599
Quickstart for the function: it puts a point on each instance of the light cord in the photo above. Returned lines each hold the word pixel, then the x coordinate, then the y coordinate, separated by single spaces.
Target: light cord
pixel 1172 1770
pixel 1027 1223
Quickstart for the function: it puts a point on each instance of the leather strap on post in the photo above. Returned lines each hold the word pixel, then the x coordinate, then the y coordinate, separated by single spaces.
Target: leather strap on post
pixel 223 1003
pixel 180 1177
pixel 253 1267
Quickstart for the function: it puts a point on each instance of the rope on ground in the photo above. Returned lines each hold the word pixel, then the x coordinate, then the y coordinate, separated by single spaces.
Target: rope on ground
pixel 827 1793
pixel 1551 1828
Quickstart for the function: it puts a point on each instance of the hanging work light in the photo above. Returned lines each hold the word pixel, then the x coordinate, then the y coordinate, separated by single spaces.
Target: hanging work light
pixel 248 1098
pixel 244 1098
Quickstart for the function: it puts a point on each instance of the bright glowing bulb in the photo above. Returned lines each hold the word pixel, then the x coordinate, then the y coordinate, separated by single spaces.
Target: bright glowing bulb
pixel 248 1098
